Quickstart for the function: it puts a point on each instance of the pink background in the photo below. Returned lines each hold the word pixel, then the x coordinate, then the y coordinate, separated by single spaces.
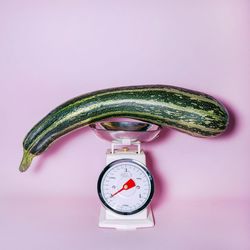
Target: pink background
pixel 51 51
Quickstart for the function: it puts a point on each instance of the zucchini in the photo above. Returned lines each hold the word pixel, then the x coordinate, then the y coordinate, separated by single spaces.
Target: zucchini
pixel 189 111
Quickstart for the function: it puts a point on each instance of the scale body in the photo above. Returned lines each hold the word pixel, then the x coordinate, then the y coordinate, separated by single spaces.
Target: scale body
pixel 126 154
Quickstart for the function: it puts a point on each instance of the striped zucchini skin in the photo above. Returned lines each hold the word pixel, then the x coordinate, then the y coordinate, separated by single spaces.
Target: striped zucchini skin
pixel 189 111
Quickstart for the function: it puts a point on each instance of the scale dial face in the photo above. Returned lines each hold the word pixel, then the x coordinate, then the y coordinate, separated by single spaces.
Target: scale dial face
pixel 125 186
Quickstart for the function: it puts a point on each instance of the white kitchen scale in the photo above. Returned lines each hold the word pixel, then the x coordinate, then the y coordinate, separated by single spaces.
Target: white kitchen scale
pixel 126 186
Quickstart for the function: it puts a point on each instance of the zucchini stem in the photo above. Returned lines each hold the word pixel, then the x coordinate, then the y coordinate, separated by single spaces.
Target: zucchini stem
pixel 26 160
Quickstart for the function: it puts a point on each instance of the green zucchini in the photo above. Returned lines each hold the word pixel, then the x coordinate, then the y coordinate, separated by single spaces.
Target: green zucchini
pixel 189 111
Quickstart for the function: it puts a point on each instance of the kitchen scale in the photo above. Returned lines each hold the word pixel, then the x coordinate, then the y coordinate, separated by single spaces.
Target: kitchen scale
pixel 125 186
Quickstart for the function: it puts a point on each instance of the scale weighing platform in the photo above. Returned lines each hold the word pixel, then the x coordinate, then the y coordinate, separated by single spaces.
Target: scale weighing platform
pixel 125 186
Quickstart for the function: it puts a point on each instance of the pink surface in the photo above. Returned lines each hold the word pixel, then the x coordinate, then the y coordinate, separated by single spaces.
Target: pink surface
pixel 51 51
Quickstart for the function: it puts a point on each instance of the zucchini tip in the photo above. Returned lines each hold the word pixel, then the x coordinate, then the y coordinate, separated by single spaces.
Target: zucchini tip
pixel 26 161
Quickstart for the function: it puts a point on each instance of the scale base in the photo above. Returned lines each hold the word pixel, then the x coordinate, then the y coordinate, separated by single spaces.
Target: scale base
pixel 109 219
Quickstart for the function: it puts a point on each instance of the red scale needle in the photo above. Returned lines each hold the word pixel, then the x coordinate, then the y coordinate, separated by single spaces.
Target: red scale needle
pixel 129 184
